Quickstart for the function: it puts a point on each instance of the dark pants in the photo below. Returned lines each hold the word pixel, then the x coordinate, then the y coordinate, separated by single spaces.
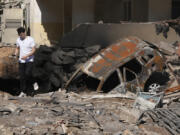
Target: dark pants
pixel 26 79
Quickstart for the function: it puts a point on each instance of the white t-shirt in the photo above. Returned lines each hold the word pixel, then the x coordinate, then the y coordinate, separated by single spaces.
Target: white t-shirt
pixel 25 47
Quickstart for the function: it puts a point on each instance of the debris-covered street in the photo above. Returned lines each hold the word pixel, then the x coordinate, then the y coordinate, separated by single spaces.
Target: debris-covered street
pixel 84 113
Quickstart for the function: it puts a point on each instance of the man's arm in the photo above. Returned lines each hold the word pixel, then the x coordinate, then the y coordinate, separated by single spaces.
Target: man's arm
pixel 16 51
pixel 30 54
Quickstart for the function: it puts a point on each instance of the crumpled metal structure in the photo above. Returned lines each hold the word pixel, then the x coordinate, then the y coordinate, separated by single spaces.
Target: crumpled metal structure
pixel 123 57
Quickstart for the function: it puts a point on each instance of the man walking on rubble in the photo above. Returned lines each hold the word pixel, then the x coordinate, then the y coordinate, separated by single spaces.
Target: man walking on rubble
pixel 25 49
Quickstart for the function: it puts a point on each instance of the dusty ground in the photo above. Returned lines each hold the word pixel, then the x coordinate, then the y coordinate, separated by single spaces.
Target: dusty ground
pixel 72 113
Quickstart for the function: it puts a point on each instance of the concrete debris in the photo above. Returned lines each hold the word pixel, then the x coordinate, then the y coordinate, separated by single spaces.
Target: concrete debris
pixel 67 113
pixel 163 27
pixel 126 96
pixel 146 101
pixel 168 118
pixel 11 4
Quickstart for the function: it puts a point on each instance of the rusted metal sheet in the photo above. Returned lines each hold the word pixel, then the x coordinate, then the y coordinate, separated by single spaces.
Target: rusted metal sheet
pixel 174 89
pixel 114 56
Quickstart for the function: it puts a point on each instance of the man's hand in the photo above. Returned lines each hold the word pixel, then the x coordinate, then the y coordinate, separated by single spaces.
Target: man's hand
pixel 24 58
pixel 29 55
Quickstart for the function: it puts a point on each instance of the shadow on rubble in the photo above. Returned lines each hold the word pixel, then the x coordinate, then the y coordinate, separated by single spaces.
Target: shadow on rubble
pixel 10 86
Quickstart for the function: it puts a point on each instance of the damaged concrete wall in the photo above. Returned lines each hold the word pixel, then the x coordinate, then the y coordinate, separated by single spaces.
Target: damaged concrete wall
pixel 105 34
pixel 159 10
pixel 46 20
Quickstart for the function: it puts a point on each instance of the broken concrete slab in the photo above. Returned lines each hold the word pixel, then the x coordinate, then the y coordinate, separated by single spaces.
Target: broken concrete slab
pixel 105 34
pixel 167 118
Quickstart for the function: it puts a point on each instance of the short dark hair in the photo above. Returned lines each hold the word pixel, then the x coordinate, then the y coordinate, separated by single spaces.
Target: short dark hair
pixel 20 30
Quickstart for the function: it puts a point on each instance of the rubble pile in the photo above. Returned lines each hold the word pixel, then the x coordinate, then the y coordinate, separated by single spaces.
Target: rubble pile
pixel 168 118
pixel 72 114
pixel 53 66
pixel 163 27
pixel 10 4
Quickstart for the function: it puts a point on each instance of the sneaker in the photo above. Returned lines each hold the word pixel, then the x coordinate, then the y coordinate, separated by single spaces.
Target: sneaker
pixel 22 94
pixel 35 85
